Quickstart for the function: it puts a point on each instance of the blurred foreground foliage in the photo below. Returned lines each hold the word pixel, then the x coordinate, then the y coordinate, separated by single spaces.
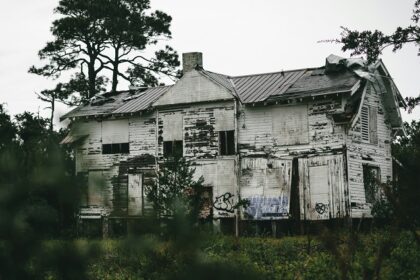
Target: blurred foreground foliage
pixel 226 257
pixel 39 197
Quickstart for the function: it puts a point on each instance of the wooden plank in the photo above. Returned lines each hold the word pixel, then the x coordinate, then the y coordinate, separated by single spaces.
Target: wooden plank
pixel 135 194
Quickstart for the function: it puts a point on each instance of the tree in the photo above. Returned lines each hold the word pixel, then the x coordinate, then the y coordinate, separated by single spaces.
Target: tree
pixel 129 29
pixel 175 190
pixel 99 35
pixel 372 43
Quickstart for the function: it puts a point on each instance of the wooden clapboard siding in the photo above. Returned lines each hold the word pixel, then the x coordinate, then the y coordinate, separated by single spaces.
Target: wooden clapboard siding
pixel 374 151
pixel 256 127
pixel 114 168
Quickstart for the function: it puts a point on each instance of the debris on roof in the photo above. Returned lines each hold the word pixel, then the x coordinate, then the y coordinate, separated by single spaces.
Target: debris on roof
pixel 122 102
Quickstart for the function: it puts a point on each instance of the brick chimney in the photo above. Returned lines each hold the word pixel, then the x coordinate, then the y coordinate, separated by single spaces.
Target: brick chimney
pixel 191 60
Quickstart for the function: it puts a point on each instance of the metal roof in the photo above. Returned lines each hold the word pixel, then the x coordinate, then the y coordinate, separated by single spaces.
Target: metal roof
pixel 142 101
pixel 317 81
pixel 257 88
pixel 249 89
pixel 119 103
pixel 221 79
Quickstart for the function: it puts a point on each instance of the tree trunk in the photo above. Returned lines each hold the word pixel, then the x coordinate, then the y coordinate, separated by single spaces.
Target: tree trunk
pixel 52 113
pixel 115 70
pixel 92 80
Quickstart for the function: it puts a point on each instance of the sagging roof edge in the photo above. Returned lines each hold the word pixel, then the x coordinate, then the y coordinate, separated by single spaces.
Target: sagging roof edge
pixel 381 64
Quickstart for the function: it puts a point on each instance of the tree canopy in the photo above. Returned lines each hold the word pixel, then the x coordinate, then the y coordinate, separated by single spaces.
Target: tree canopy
pixel 372 43
pixel 94 36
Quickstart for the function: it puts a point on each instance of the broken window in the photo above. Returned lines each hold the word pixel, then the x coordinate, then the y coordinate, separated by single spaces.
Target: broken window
pixel 226 142
pixel 371 177
pixel 172 149
pixel 116 148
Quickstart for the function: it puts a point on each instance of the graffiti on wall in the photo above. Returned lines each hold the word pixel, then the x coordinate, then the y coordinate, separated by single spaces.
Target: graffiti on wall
pixel 224 202
pixel 268 207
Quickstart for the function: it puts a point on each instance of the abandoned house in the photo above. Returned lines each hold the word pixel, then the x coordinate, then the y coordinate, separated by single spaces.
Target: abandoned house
pixel 295 144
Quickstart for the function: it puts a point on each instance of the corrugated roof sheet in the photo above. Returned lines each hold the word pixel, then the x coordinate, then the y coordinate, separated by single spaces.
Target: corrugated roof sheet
pixel 257 88
pixel 119 103
pixel 143 100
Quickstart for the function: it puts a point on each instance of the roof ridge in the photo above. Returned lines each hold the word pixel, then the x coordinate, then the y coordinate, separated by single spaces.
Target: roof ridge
pixel 276 72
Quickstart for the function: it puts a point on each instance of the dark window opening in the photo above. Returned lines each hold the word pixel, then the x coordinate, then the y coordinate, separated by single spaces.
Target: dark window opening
pixel 371 182
pixel 172 149
pixel 116 148
pixel 226 143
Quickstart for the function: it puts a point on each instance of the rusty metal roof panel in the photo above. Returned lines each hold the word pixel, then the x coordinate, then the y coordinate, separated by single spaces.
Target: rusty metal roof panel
pixel 143 100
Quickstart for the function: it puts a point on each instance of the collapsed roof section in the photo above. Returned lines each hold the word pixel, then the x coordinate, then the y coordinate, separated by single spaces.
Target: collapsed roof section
pixel 123 102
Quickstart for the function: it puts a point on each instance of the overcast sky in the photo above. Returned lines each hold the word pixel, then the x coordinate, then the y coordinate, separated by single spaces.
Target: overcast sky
pixel 236 37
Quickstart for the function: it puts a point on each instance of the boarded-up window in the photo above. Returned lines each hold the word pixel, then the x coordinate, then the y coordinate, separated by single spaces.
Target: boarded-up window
pixel 290 125
pixel 318 181
pixel 172 126
pixel 115 131
pixel 96 186
pixel 226 142
pixel 135 194
pixel 224 120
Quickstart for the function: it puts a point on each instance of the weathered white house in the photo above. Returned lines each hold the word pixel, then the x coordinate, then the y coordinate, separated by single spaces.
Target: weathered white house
pixel 294 143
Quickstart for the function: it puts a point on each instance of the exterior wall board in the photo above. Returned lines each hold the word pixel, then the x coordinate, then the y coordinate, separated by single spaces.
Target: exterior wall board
pixel 266 184
pixel 376 152
pixel 322 187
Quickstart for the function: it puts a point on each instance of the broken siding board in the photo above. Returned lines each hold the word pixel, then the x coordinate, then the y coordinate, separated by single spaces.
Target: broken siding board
pixel 142 133
pixel 115 167
pixel 266 183
pixel 198 128
pixel 256 136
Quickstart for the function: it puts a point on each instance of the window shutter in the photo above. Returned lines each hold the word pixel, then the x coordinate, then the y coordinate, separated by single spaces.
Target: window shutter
pixel 364 121
pixel 373 127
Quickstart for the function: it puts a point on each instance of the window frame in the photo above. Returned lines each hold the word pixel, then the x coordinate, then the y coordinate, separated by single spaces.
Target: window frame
pixel 173 147
pixel 116 148
pixel 229 148
pixel 370 197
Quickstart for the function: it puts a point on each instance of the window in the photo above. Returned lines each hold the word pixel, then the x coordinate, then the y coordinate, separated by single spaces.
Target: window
pixel 370 180
pixel 226 143
pixel 172 149
pixel 116 148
